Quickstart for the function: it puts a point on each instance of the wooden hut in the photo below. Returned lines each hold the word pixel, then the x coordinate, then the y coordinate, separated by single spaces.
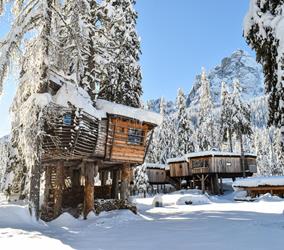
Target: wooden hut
pixel 157 176
pixel 207 169
pixel 257 186
pixel 106 141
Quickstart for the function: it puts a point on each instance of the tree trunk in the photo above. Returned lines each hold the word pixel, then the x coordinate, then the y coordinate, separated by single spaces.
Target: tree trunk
pixel 34 189
pixel 230 140
pixel 58 192
pixel 125 180
pixel 89 199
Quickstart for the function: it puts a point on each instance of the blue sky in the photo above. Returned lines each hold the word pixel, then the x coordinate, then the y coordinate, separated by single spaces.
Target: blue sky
pixel 178 38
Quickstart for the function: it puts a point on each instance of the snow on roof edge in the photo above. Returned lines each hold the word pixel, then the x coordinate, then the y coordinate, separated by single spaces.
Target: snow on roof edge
pixel 206 153
pixel 126 111
pixel 259 181
pixel 155 165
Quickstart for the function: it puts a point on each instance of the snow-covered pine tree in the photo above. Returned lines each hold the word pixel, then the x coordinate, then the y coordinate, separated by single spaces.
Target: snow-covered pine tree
pixel 226 117
pixel 262 145
pixel 263 31
pixel 141 180
pixel 184 129
pixel 123 81
pixel 206 134
pixel 241 124
pixel 156 148
pixel 4 144
pixel 278 166
pixel 46 50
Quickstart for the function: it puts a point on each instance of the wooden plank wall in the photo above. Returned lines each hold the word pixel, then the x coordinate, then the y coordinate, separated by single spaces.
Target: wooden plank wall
pixel 180 169
pixel 119 147
pixel 156 175
pixel 226 165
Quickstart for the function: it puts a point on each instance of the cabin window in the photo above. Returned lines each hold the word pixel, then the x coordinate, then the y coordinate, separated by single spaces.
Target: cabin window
pixel 135 136
pixel 228 163
pixel 67 119
pixel 200 163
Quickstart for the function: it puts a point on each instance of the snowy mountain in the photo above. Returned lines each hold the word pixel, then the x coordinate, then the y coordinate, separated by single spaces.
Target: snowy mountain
pixel 239 65
pixel 154 105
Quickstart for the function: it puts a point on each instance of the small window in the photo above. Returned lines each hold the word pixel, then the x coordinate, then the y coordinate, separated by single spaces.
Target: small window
pixel 135 136
pixel 67 119
pixel 228 163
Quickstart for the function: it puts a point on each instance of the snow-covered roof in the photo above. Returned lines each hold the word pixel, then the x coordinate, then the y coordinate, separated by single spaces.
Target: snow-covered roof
pixel 77 96
pixel 177 159
pixel 206 153
pixel 259 181
pixel 215 153
pixel 155 165
pixel 126 111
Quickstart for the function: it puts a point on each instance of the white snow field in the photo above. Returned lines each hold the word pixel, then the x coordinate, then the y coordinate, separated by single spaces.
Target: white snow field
pixel 218 223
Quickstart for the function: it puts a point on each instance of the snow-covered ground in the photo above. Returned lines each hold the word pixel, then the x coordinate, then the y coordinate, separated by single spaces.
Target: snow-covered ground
pixel 211 222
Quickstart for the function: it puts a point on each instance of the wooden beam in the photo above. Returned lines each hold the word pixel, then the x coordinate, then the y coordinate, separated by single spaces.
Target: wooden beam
pixel 89 189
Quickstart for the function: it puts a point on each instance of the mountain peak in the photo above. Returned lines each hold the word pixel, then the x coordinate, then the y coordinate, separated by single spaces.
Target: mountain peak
pixel 238 65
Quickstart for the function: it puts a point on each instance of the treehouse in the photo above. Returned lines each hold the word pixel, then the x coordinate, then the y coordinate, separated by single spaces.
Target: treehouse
pixel 207 169
pixel 84 143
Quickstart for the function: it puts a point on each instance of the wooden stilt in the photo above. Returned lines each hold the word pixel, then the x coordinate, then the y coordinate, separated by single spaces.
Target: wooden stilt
pixel 217 184
pixel 89 189
pixel 202 183
pixel 103 178
pixel 114 188
pixel 124 188
pixel 212 184
pixel 221 185
pixel 58 191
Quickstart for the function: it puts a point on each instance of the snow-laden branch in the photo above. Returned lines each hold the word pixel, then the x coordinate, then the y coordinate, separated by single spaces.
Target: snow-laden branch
pixel 24 22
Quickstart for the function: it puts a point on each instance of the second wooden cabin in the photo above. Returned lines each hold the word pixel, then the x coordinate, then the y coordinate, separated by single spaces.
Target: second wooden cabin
pixel 207 169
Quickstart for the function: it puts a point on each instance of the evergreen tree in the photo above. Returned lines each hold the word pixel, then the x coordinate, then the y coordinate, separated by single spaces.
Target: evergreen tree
pixel 263 31
pixel 141 180
pixel 123 81
pixel 241 124
pixel 184 132
pixel 206 134
pixel 226 116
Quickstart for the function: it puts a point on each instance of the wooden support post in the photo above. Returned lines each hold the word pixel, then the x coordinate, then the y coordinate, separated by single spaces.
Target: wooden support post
pixel 47 188
pixel 202 183
pixel 103 178
pixel 58 192
pixel 124 188
pixel 89 189
pixel 217 184
pixel 221 185
pixel 212 184
pixel 114 187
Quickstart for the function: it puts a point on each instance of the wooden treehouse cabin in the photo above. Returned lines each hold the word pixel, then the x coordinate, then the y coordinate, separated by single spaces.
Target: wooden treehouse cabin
pixel 157 176
pixel 83 148
pixel 207 169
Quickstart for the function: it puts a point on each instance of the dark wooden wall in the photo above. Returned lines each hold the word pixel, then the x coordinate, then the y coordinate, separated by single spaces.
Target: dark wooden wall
pixel 156 176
